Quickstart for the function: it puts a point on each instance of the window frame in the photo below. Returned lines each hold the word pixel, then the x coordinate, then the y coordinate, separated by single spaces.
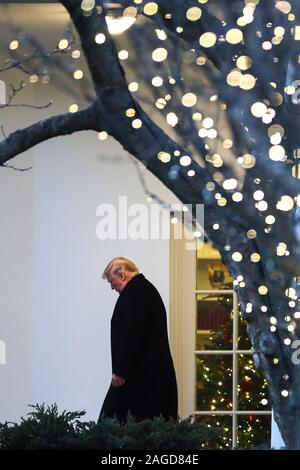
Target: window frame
pixel 234 352
pixel 182 328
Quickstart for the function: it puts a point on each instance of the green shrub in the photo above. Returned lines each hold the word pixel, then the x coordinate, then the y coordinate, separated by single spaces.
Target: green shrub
pixel 46 428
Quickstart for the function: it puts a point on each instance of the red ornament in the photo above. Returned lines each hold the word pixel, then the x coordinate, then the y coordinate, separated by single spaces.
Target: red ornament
pixel 247 386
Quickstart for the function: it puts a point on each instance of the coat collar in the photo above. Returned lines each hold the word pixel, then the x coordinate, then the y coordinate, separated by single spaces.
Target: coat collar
pixel 133 282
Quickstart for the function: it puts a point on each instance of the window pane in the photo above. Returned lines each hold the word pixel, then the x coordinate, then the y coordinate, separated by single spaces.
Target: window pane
pixel 252 387
pixel 254 431
pixel 211 272
pixel 214 383
pixel 214 322
pixel 222 437
pixel 243 339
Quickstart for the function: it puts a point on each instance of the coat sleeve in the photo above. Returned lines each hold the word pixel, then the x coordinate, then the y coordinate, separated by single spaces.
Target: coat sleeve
pixel 135 319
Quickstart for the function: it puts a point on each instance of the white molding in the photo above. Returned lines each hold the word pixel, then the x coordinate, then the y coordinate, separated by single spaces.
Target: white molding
pixel 182 320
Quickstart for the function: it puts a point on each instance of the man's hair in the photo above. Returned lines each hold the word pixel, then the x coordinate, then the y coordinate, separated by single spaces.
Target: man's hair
pixel 119 265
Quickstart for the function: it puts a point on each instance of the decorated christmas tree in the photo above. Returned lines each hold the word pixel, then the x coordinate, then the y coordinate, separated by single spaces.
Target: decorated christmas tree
pixel 215 390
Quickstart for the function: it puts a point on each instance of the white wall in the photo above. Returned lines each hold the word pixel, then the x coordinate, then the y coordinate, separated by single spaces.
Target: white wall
pixel 16 302
pixel 16 272
pixel 72 304
pixel 53 300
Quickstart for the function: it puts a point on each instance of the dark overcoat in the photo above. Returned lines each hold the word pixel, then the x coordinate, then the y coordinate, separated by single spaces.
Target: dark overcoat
pixel 141 355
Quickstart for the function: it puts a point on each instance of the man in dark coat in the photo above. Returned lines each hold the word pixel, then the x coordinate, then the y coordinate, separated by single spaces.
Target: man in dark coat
pixel 143 376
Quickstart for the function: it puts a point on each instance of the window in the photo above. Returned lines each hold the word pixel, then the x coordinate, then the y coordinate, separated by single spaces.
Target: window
pixel 217 380
pixel 229 391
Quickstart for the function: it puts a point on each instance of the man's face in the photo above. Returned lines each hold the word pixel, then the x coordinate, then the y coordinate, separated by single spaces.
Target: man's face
pixel 117 281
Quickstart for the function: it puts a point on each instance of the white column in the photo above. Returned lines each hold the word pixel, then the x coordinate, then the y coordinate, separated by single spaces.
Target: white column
pixel 182 321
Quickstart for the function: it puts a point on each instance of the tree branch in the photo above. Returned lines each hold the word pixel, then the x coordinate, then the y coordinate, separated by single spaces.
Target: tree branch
pixel 63 124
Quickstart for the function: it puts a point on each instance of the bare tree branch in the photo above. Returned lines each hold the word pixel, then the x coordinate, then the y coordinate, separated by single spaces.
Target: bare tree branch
pixel 13 167
pixel 55 126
